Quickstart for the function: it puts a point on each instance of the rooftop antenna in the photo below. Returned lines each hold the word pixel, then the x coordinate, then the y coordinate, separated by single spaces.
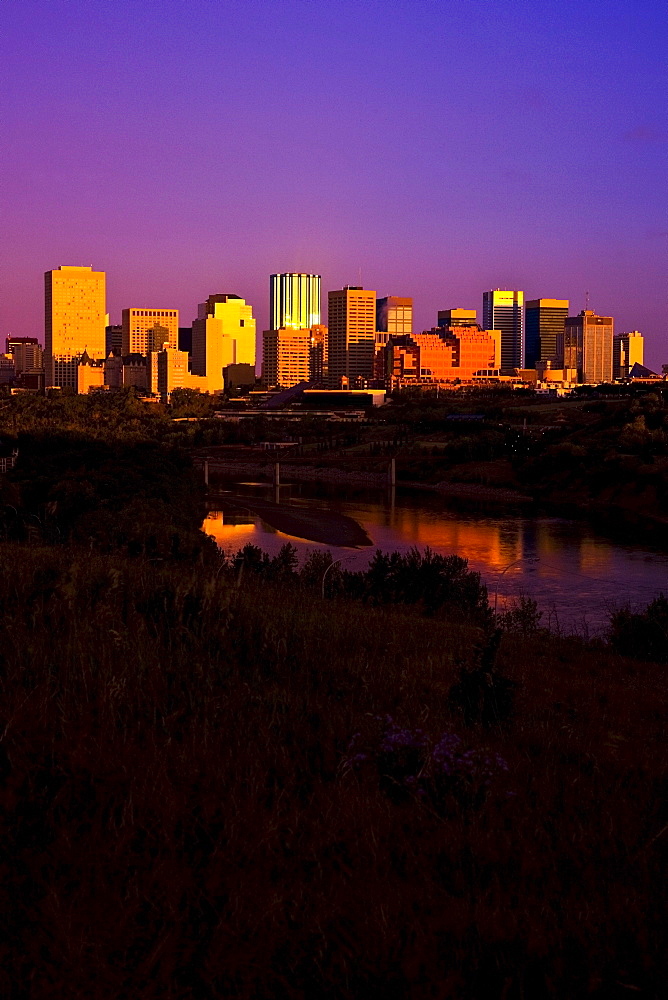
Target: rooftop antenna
pixel 586 300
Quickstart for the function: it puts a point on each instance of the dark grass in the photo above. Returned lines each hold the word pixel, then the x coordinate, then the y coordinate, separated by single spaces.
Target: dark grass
pixel 178 819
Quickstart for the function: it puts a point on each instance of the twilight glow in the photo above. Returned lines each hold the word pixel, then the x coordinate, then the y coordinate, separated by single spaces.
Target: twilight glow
pixel 429 149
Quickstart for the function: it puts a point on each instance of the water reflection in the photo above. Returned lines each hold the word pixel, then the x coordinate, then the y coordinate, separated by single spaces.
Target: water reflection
pixel 576 576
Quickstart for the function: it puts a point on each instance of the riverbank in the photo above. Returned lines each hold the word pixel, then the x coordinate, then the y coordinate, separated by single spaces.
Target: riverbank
pixel 320 474
pixel 608 515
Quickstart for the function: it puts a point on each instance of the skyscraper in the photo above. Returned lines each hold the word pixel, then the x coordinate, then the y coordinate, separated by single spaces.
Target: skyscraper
pixel 75 318
pixel 352 329
pixel 394 315
pixel 504 311
pixel 294 301
pixel 587 346
pixel 223 334
pixel 545 320
pixel 457 317
pixel 285 357
pixel 146 330
pixel 27 353
pixel 627 350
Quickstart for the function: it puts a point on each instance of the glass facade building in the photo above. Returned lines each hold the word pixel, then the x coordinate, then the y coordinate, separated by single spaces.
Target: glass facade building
pixel 545 320
pixel 504 311
pixel 294 301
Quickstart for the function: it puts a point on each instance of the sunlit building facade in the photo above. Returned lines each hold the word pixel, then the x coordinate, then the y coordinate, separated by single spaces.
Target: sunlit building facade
pixel 294 301
pixel 627 351
pixel 352 330
pixel 285 357
pixel 145 330
pixel 75 320
pixel 223 334
pixel 458 354
pixel 90 375
pixel 544 320
pixel 170 368
pixel 394 315
pixel 318 354
pixel 504 310
pixel 586 345
pixel 457 317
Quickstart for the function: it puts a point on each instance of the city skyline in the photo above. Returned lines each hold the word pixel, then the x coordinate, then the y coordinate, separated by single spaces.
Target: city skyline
pixel 432 184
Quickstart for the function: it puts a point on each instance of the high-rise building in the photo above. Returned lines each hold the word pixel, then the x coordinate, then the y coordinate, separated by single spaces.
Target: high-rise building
pixel 285 357
pixel 294 301
pixel 75 319
pixel 113 339
pixel 394 315
pixel 352 329
pixel 318 356
pixel 170 367
pixel 27 354
pixel 146 330
pixel 186 339
pixel 457 317
pixel 223 334
pixel 504 311
pixel 545 320
pixel 586 345
pixel 627 350
pixel 7 369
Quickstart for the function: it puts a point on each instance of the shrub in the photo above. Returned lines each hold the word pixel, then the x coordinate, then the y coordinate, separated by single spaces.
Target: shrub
pixel 642 635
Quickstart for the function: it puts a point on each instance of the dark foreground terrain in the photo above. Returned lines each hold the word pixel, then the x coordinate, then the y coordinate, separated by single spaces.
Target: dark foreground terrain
pixel 213 784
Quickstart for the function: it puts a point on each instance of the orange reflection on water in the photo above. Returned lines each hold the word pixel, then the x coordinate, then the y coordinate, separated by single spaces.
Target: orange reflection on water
pixel 481 542
pixel 595 556
pixel 229 536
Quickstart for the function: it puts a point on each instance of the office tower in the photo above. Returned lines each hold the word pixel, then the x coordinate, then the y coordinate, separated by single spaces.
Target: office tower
pixel 394 315
pixel 169 371
pixel 294 301
pixel 285 357
pixel 627 350
pixel 351 341
pixel 75 318
pixel 318 357
pixel 457 317
pixel 27 354
pixel 504 311
pixel 7 369
pixel 146 330
pixel 223 334
pixel 186 339
pixel 113 340
pixel 544 320
pixel 586 345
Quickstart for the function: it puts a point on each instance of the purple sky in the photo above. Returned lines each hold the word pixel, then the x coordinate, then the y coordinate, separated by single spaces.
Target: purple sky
pixel 441 147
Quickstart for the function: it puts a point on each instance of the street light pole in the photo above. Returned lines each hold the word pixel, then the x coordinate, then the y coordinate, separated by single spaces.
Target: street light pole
pixel 325 574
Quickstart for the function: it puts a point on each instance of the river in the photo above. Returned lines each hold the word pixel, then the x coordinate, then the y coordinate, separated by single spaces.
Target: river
pixel 576 575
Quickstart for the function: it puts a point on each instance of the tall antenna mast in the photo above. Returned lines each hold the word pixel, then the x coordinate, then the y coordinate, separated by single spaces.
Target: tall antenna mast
pixel 586 300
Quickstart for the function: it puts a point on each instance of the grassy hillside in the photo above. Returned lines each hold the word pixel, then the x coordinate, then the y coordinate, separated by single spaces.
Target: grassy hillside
pixel 223 786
